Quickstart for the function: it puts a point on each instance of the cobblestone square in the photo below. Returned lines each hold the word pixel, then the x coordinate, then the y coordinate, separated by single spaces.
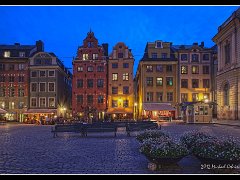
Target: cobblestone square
pixel 31 149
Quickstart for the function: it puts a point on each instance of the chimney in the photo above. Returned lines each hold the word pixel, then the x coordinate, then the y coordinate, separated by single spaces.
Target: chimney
pixel 17 44
pixel 202 44
pixel 195 44
pixel 130 50
pixel 105 48
pixel 40 46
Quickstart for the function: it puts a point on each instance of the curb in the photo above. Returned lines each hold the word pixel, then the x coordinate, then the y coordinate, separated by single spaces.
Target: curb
pixel 227 124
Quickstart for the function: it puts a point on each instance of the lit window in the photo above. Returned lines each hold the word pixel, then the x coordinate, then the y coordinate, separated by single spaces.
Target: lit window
pixel 6 53
pixel 85 56
pixel 21 54
pixel 159 81
pixel 149 68
pixel 114 103
pixel 90 68
pixel 80 69
pixel 169 81
pixel 51 102
pixel 184 69
pixel 114 76
pixel 125 77
pixel 95 56
pixel 195 69
pixel 125 103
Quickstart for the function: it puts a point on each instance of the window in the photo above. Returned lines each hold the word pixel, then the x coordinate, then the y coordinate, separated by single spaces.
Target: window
pixel 206 95
pixel 195 57
pixel 184 97
pixel 205 69
pixel 79 99
pixel 120 55
pixel 154 55
pixel 125 65
pixel 20 66
pixel 195 97
pixel 11 92
pixel 125 90
pixel 90 83
pixel 20 105
pixel 195 83
pixel 114 65
pixel 51 102
pixel 114 103
pixel 33 102
pixel 125 77
pixel 2 104
pixel 85 57
pixel 89 44
pixel 100 83
pixel 51 73
pixel 42 73
pixel 149 96
pixel 79 83
pixel 125 103
pixel 90 99
pixel 159 81
pixel 2 92
pixel 169 68
pixel 90 68
pixel 184 57
pixel 227 53
pixel 37 61
pixel 100 99
pixel 100 69
pixel 159 96
pixel 2 78
pixel 6 54
pixel 159 68
pixel 184 69
pixel 51 87
pixel 80 69
pixel 206 83
pixel 42 102
pixel 205 57
pixel 21 54
pixel 46 61
pixel 20 78
pixel 195 69
pixel 169 81
pixel 164 55
pixel 95 56
pixel 114 90
pixel 158 44
pixel 114 76
pixel 149 68
pixel 11 105
pixel 2 67
pixel 169 96
pixel 226 95
pixel 11 78
pixel 33 87
pixel 11 67
pixel 42 87
pixel 184 83
pixel 20 92
pixel 34 73
pixel 149 81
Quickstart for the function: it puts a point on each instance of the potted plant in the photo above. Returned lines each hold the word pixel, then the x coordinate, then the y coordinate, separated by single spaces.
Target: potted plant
pixel 151 134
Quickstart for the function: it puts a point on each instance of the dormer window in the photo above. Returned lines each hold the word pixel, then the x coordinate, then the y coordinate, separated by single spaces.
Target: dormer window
pixel 21 54
pixel 158 44
pixel 6 53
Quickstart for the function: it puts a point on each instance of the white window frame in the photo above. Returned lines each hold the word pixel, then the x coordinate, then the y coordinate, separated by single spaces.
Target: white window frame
pixel 31 102
pixel 51 71
pixel 7 54
pixel 40 73
pixel 21 66
pixel 80 69
pixel 49 102
pixel 85 56
pixel 40 86
pixel 49 86
pixel 12 106
pixel 36 73
pixel 40 101
pixel 31 87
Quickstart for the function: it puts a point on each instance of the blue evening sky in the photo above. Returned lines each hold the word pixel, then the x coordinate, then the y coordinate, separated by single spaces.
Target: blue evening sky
pixel 63 28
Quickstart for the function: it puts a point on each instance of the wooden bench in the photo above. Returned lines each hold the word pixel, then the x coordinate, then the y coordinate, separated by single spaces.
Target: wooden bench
pixel 99 127
pixel 67 128
pixel 140 127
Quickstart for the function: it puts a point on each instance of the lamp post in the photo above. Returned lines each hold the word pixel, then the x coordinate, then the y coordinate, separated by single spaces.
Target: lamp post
pixel 135 111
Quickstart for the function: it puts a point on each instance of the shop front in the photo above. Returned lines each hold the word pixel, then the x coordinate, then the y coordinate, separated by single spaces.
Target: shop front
pixel 159 111
pixel 40 116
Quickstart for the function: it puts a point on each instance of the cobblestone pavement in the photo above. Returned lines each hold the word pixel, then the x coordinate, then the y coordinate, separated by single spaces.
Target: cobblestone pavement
pixel 31 149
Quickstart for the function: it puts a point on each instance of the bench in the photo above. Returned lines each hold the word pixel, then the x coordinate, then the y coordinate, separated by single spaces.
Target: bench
pixel 67 128
pixel 99 127
pixel 140 127
pixel 2 122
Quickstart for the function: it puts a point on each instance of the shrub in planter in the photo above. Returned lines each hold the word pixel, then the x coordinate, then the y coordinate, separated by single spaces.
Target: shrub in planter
pixel 151 134
pixel 189 138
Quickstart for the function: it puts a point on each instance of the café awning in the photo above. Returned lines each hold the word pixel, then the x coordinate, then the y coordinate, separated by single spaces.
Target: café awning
pixel 40 111
pixel 2 111
pixel 158 107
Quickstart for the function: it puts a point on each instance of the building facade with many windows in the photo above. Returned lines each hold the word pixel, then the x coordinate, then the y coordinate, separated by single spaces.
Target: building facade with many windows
pixel 89 95
pixel 120 83
pixel 50 88
pixel 14 78
pixel 228 74
pixel 156 82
